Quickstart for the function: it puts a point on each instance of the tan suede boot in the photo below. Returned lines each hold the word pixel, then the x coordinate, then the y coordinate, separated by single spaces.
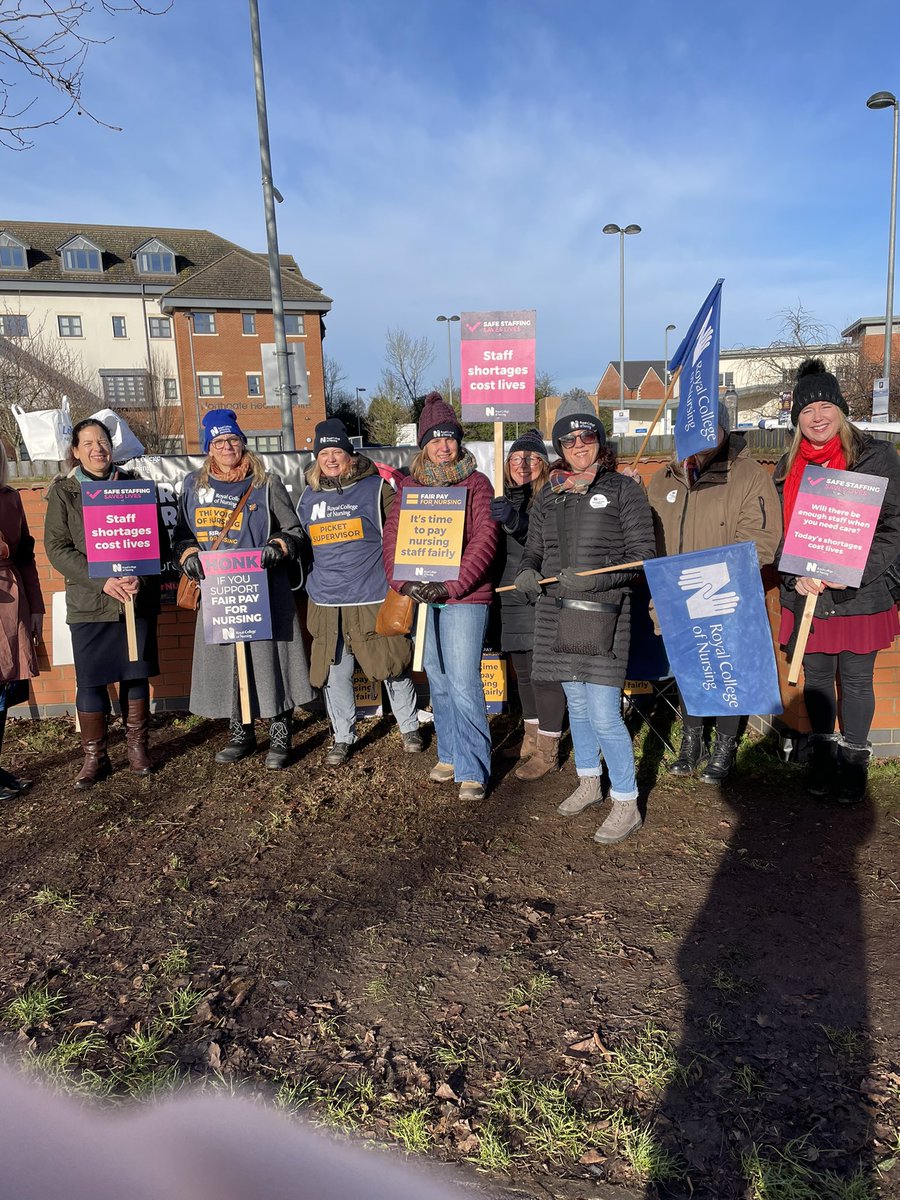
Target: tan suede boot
pixel 526 747
pixel 544 759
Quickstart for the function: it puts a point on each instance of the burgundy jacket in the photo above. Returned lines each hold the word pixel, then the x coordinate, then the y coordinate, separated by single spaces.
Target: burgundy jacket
pixel 480 533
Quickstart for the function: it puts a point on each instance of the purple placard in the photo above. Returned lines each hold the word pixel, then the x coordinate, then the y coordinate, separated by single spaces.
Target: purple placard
pixel 121 533
pixel 497 353
pixel 234 597
pixel 430 533
pixel 831 528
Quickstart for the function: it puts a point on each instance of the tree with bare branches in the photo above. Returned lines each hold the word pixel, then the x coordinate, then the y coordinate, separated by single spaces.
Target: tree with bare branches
pixel 43 48
pixel 408 361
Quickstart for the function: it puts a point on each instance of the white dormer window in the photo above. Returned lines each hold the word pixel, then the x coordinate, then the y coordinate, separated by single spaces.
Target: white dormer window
pixel 154 258
pixel 13 254
pixel 79 254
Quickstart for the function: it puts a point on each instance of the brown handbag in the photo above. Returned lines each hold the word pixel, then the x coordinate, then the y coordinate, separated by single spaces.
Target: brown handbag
pixel 395 617
pixel 188 594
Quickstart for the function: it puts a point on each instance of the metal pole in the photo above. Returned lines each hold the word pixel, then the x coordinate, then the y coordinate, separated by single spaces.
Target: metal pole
pixel 666 367
pixel 449 367
pixel 265 160
pixel 621 319
pixel 889 307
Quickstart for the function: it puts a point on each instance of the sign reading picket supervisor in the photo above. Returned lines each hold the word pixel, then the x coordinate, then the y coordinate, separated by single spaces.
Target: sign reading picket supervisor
pixel 121 534
pixel 430 533
pixel 234 597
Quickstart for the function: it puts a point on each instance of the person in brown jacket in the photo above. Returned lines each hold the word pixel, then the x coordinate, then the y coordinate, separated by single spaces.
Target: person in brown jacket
pixel 714 499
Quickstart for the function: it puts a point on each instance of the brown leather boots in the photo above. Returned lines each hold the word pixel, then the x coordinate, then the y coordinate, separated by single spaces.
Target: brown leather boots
pixel 95 743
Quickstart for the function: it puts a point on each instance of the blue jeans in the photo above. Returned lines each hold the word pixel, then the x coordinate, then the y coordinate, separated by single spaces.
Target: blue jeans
pixel 454 637
pixel 596 724
pixel 340 700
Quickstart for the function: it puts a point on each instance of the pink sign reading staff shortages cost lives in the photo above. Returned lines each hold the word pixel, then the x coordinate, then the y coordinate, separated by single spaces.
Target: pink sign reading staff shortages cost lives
pixel 121 534
pixel 498 372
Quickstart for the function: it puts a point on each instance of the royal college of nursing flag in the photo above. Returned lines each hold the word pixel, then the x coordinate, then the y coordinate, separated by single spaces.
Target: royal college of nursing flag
pixel 696 423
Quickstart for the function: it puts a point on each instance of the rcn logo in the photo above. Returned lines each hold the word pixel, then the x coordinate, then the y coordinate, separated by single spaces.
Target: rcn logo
pixel 488 412
pixel 228 634
pixel 318 511
pixel 706 583
pixel 812 567
pixel 420 570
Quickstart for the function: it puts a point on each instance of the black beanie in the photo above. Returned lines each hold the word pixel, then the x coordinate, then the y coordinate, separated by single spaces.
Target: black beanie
pixel 531 442
pixel 815 384
pixel 332 433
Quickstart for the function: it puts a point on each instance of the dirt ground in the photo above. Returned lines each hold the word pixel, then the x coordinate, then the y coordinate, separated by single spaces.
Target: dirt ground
pixel 710 1009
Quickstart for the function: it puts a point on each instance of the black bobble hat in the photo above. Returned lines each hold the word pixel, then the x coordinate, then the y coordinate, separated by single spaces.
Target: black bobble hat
pixel 531 442
pixel 332 433
pixel 814 384
pixel 438 420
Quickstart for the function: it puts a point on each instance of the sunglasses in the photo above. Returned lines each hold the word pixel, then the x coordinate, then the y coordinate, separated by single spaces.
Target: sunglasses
pixel 587 437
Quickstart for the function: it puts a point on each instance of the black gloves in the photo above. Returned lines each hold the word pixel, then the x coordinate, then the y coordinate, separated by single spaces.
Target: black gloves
pixel 576 583
pixel 192 568
pixel 425 593
pixel 529 583
pixel 272 554
pixel 506 513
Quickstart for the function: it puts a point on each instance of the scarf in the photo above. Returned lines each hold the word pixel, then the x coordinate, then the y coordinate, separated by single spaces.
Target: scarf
pixel 447 474
pixel 830 455
pixel 241 471
pixel 84 476
pixel 576 482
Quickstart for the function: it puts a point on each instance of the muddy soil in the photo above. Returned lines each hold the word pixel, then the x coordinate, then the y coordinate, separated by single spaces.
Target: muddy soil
pixel 710 1008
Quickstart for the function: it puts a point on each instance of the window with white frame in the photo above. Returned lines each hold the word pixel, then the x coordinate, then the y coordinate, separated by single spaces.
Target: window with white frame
pixel 209 385
pixel 170 388
pixel 13 325
pixel 293 323
pixel 155 258
pixel 248 322
pixel 160 327
pixel 204 322
pixel 726 379
pixel 254 385
pixel 82 255
pixel 118 324
pixel 128 389
pixel 13 254
pixel 264 443
pixel 69 326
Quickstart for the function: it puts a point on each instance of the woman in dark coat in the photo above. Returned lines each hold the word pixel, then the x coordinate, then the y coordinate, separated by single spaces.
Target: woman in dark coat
pixel 526 472
pixel 590 516
pixel 95 614
pixel 850 624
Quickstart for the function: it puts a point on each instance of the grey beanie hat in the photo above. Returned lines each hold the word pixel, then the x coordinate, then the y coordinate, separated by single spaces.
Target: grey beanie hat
pixel 576 412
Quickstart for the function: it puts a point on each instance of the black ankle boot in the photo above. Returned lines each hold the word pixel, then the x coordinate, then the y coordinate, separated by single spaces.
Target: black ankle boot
pixel 854 773
pixel 721 761
pixel 279 741
pixel 822 768
pixel 241 743
pixel 692 751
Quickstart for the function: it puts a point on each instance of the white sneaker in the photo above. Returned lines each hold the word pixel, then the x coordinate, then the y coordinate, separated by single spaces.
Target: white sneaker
pixel 624 819
pixel 587 793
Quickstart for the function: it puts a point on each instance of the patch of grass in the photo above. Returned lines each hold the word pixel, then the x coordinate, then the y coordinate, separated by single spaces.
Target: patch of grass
pixel 783 1174
pixel 173 963
pixel 543 1115
pixel 493 1153
pixel 412 1131
pixel 747 1080
pixel 637 1143
pixel 191 721
pixel 292 1095
pixel 729 984
pixel 277 821
pixel 63 1066
pixel 43 737
pixel 377 989
pixel 63 902
pixel 845 1043
pixel 646 1061
pixel 141 1049
pixel 531 993
pixel 179 1010
pixel 337 1110
pixel 35 1006
pixel 452 1057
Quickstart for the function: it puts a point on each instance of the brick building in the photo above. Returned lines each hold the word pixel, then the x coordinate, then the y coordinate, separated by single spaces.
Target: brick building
pixel 164 324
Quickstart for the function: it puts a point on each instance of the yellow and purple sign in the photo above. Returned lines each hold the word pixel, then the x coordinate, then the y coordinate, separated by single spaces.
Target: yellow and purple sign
pixel 121 532
pixel 498 365
pixel 430 533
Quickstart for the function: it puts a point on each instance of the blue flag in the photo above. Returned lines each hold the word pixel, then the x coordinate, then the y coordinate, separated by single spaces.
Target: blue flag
pixel 712 612
pixel 697 419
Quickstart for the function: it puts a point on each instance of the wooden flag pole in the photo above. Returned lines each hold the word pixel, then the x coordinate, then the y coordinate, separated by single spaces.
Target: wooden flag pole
pixel 809 609
pixel 421 619
pixel 632 566
pixel 498 458
pixel 131 630
pixel 659 412
pixel 240 654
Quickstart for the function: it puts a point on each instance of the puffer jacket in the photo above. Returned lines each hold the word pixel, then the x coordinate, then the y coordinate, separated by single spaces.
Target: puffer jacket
pixel 65 546
pixel 732 500
pixel 610 523
pixel 517 610
pixel 473 586
pixel 874 457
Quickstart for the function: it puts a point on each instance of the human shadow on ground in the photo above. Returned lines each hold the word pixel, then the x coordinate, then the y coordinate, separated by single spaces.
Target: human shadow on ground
pixel 775 1037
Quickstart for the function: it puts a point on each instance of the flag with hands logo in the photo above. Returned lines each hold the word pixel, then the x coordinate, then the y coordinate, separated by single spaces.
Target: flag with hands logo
pixel 716 631
pixel 697 419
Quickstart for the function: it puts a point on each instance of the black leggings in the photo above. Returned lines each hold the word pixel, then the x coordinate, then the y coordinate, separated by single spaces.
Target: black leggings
pixel 543 702
pixel 725 726
pixel 857 693
pixel 96 699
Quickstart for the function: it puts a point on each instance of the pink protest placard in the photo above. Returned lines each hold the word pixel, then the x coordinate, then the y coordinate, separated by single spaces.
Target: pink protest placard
pixel 498 365
pixel 831 528
pixel 121 533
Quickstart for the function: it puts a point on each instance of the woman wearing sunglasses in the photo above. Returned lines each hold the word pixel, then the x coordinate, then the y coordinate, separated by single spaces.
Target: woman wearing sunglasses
pixel 590 516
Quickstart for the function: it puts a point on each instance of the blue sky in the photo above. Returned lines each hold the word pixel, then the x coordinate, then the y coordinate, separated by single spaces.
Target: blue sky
pixel 436 158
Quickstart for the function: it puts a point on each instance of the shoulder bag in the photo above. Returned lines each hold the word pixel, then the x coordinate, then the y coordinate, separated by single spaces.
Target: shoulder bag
pixel 188 595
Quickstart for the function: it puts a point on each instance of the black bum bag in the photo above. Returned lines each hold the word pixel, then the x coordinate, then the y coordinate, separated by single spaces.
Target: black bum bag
pixel 586 627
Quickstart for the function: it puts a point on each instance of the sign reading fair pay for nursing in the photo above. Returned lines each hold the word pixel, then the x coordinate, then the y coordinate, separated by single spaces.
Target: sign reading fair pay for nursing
pixel 430 534
pixel 234 598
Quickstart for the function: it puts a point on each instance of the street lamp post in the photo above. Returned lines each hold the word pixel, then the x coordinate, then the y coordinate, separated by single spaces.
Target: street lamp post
pixel 358 419
pixel 621 232
pixel 889 100
pixel 449 357
pixel 669 329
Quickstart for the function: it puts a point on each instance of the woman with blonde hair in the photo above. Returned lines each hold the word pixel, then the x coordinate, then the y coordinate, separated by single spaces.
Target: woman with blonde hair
pixel 277 668
pixel 526 471
pixel 851 624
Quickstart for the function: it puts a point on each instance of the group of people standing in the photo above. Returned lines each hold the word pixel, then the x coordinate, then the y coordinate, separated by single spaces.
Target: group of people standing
pixel 567 633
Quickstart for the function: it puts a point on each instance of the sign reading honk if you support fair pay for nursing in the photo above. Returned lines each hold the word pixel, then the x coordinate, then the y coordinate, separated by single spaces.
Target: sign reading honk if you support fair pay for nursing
pixel 430 533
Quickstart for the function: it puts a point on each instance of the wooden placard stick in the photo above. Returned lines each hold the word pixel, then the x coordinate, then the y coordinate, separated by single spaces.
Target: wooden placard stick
pixel 659 412
pixel 131 630
pixel 809 609
pixel 421 619
pixel 632 566
pixel 498 459
pixel 240 654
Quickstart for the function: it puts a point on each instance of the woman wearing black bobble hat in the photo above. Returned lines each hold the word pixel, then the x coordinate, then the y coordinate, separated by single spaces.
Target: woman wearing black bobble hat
pixel 525 473
pixel 850 625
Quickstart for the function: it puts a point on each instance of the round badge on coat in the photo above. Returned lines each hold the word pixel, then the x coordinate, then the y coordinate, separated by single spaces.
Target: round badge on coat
pixel 599 501
pixel 672 496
